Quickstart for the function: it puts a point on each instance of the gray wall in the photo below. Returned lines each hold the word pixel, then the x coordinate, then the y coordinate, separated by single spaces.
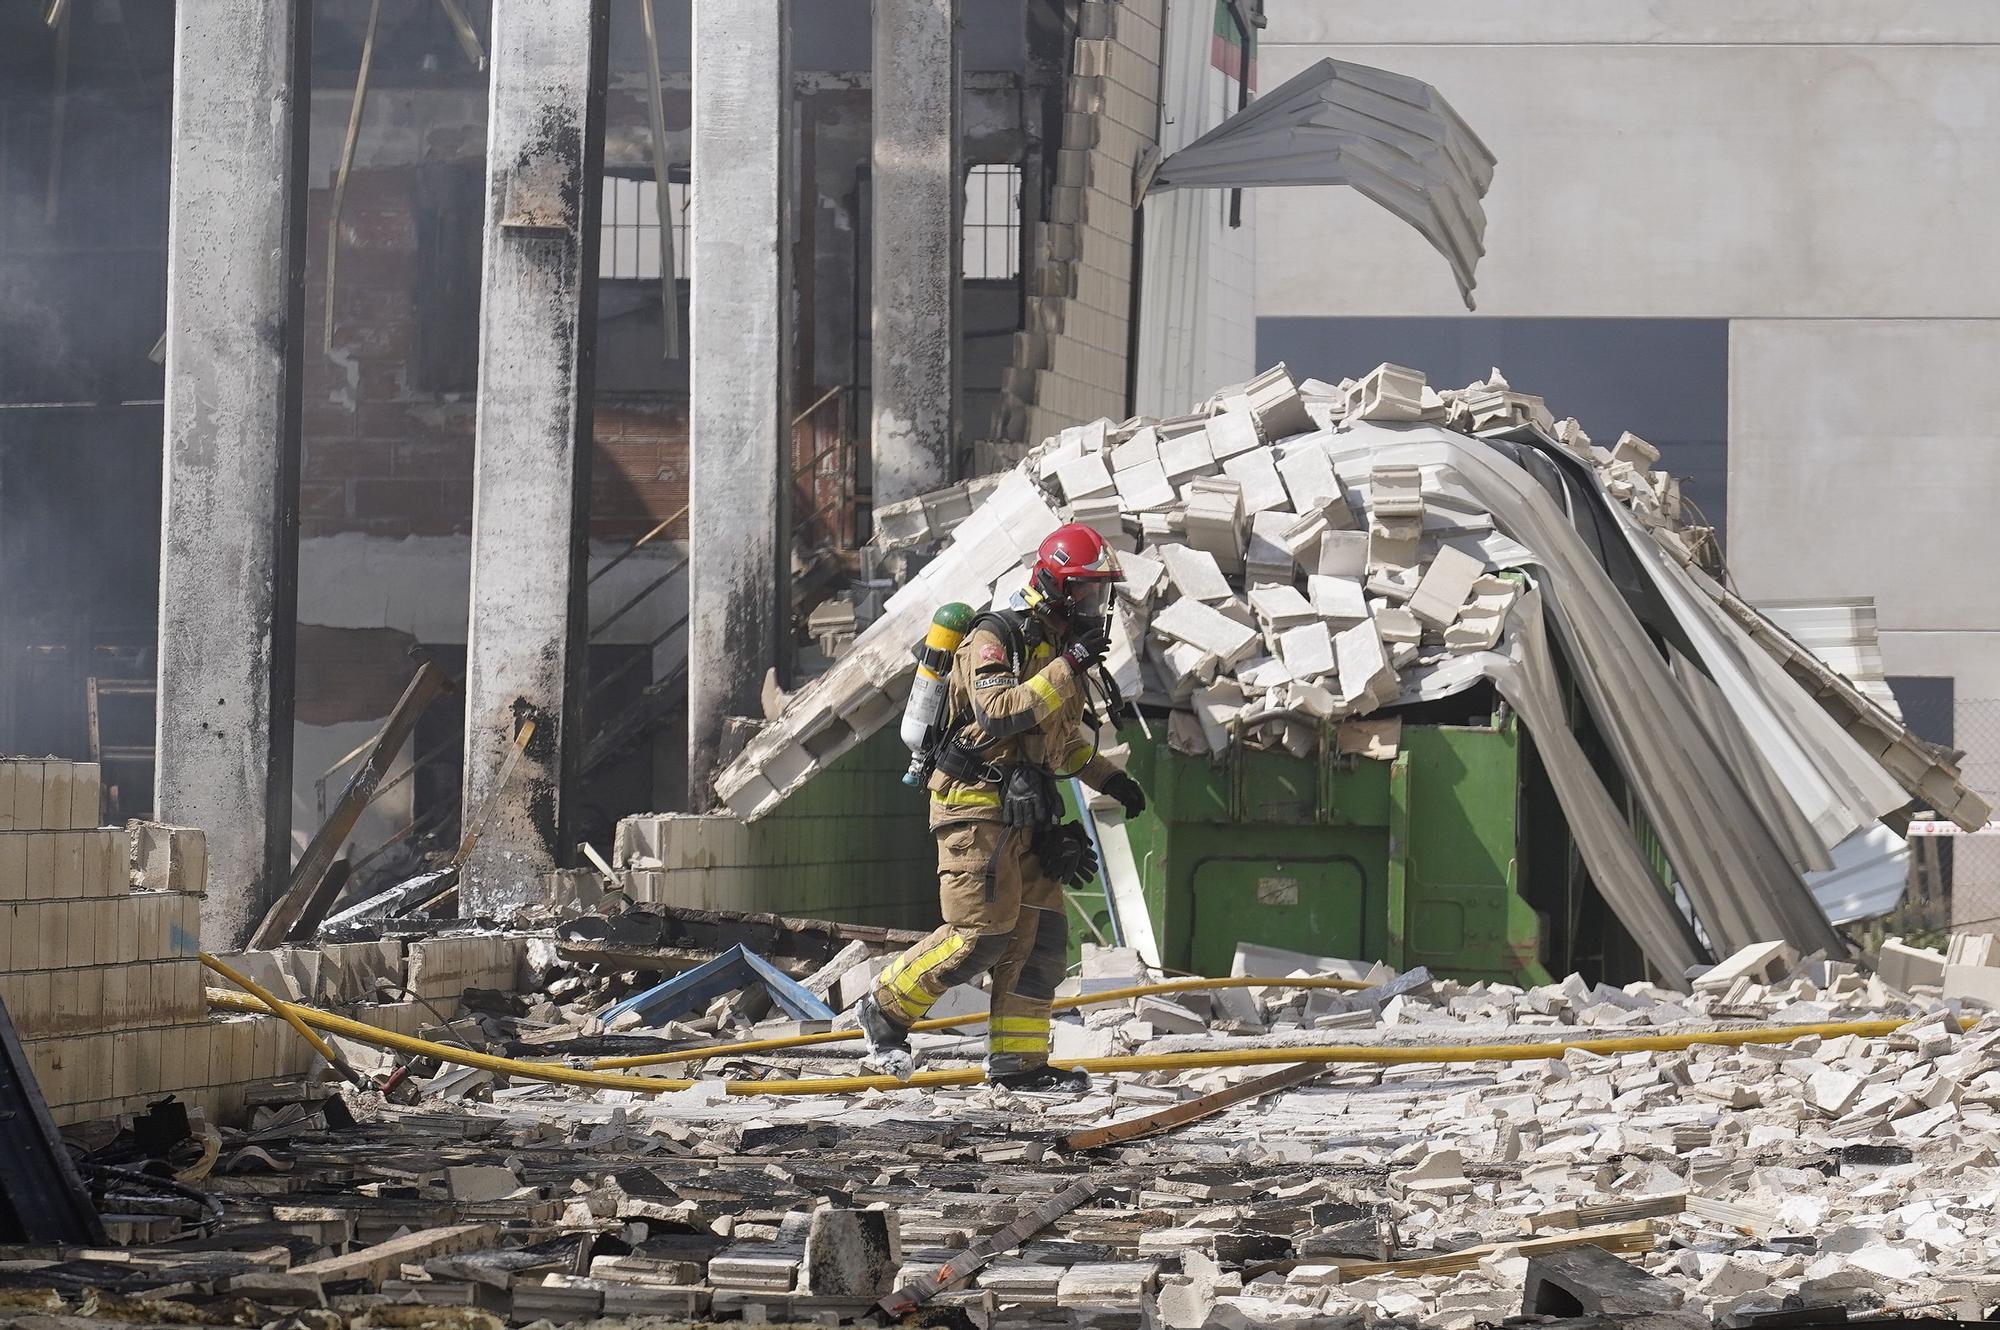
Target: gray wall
pixel 1819 173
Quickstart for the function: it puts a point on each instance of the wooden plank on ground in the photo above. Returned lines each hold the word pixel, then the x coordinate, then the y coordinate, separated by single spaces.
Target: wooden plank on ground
pixel 1194 1110
pixel 1623 1239
pixel 384 1259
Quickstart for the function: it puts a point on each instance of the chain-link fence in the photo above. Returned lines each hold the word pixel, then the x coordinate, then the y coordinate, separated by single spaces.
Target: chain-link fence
pixel 1971 868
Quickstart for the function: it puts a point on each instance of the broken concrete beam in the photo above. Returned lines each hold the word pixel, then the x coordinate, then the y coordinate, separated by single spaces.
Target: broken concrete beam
pixel 1589 1281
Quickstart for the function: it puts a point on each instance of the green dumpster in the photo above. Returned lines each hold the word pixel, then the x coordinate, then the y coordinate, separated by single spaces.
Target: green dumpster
pixel 1412 861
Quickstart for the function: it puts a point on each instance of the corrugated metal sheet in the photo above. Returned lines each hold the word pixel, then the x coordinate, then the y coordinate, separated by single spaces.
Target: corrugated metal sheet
pixel 1844 634
pixel 1394 138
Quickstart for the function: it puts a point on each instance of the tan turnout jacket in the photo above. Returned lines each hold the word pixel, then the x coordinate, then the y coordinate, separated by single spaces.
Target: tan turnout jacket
pixel 1037 718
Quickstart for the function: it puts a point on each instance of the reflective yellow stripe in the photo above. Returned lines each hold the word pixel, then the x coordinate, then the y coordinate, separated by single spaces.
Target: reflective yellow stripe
pixel 1077 759
pixel 1049 700
pixel 972 798
pixel 1018 1043
pixel 1021 1025
pixel 904 976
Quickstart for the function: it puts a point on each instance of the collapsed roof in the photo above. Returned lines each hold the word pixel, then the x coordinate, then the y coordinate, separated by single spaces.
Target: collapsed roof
pixel 1297 554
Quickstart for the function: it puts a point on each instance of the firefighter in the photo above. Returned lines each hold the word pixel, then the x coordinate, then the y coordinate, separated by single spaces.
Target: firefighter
pixel 1015 726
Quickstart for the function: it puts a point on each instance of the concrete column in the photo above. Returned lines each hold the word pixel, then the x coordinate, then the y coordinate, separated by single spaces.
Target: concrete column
pixel 738 421
pixel 918 197
pixel 229 511
pixel 524 634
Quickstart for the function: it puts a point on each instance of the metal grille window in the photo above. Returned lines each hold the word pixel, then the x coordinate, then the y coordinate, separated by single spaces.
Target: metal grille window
pixel 992 231
pixel 630 236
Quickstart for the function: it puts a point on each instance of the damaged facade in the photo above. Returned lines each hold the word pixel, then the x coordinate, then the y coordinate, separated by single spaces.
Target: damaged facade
pixel 472 475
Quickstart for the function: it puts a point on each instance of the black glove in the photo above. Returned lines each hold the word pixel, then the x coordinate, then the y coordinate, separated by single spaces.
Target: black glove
pixel 1067 855
pixel 1126 791
pixel 1029 798
pixel 1087 648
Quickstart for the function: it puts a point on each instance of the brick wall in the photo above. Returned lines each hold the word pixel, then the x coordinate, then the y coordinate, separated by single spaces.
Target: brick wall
pixel 639 472
pixel 389 409
pixel 852 845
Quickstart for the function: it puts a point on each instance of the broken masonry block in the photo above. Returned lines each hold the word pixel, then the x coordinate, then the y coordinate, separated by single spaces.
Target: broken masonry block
pixel 1343 553
pixel 1760 962
pixel 1082 477
pixel 1308 475
pixel 1231 433
pixel 1387 392
pixel 1143 487
pixel 1445 586
pixel 1275 403
pixel 1143 446
pixel 1263 488
pixel 1340 601
pixel 166 858
pixel 853 1253
pixel 1903 967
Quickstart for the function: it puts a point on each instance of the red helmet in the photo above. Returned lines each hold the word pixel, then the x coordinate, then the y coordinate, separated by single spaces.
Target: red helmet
pixel 1073 554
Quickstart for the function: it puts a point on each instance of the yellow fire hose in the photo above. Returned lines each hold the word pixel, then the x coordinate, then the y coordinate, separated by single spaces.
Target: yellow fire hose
pixel 1206 1058
pixel 255 989
pixel 951 1022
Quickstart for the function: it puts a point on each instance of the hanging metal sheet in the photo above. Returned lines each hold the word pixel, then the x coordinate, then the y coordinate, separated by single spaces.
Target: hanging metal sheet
pixel 1394 138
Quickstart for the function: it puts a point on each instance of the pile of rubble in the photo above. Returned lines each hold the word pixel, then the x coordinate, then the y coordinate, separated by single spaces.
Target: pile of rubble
pixel 1298 555
pixel 1275 577
pixel 1264 592
pixel 1696 1185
